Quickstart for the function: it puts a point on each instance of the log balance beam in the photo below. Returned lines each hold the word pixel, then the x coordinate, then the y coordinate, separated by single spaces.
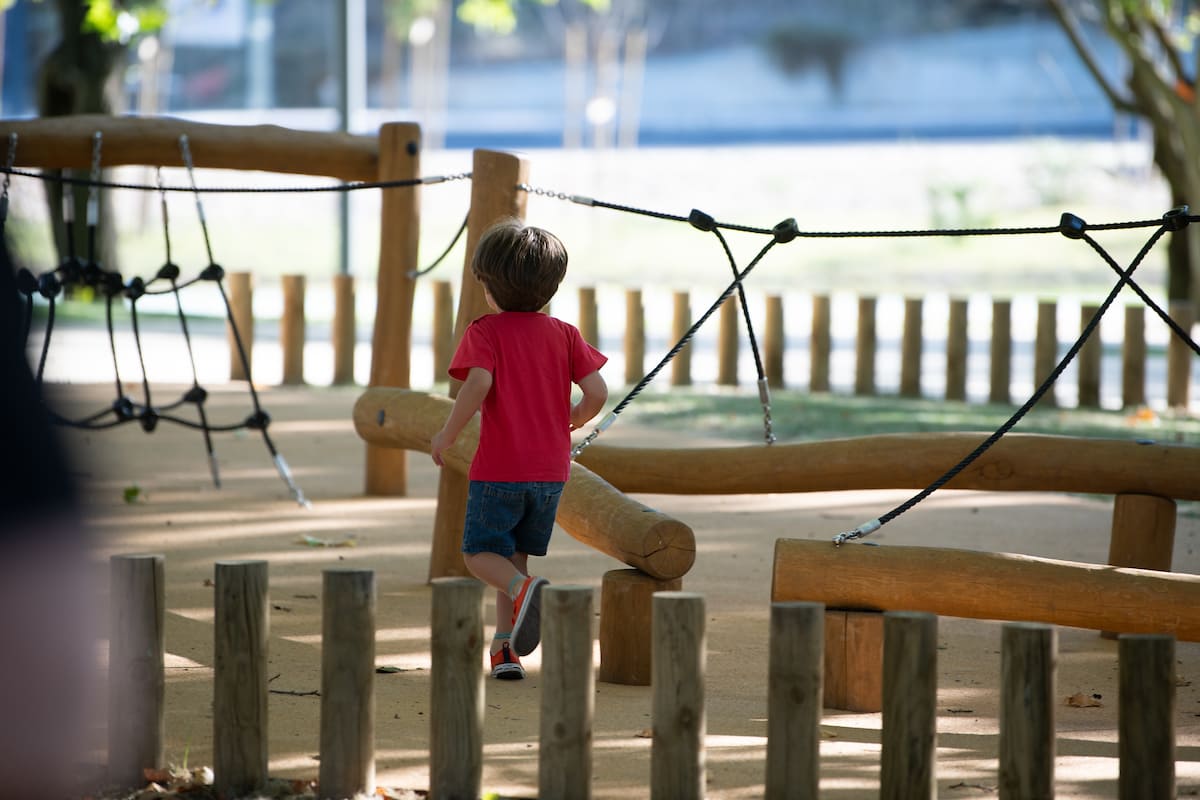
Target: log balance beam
pixel 591 509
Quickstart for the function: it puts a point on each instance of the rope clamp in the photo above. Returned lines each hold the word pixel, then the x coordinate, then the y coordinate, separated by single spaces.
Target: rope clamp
pixel 701 221
pixel 1071 226
pixel 1176 219
pixel 865 529
pixel 785 231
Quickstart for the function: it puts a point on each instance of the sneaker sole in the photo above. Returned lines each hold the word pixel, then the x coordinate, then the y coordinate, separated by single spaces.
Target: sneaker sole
pixel 527 629
pixel 508 672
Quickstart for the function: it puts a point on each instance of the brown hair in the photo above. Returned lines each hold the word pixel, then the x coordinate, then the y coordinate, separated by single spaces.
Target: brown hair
pixel 519 264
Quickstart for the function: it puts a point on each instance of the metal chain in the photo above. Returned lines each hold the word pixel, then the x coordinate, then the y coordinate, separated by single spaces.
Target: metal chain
pixel 570 198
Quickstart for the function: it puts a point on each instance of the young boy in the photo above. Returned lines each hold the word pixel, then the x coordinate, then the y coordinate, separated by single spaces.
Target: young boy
pixel 517 367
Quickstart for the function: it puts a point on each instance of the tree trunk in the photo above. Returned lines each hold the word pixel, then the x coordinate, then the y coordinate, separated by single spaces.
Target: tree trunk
pixel 75 79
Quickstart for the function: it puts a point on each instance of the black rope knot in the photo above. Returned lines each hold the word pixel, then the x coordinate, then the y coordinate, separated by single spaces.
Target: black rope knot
pixel 112 283
pixel 213 272
pixel 168 272
pixel 196 394
pixel 123 408
pixel 27 282
pixel 1071 226
pixel 785 231
pixel 701 221
pixel 258 421
pixel 149 420
pixel 48 286
pixel 1176 219
pixel 135 288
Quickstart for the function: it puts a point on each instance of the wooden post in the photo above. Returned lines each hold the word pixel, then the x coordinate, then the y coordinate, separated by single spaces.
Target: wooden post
pixel 864 350
pixel 494 196
pixel 727 342
pixel 909 734
pixel 589 327
pixel 345 331
pixel 1143 534
pixel 1179 357
pixel 568 688
pixel 681 321
pixel 774 345
pixel 241 628
pixel 820 345
pixel 1028 658
pixel 635 337
pixel 456 689
pixel 1089 361
pixel 391 341
pixel 347 684
pixel 794 700
pixel 1045 347
pixel 626 638
pixel 136 728
pixel 854 660
pixel 241 314
pixel 910 348
pixel 443 330
pixel 1001 360
pixel 1146 717
pixel 956 351
pixel 677 749
pixel 291 329
pixel 1133 358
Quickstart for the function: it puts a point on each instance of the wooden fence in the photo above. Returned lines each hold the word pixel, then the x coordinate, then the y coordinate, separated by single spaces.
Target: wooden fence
pixel 1146 747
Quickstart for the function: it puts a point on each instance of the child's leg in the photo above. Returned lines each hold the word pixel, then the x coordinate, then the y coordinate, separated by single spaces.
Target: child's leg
pixel 505 576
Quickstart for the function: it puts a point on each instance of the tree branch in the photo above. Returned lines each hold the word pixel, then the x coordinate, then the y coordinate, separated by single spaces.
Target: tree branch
pixel 1070 25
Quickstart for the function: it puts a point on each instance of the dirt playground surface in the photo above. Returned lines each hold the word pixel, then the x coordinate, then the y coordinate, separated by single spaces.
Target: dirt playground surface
pixel 177 512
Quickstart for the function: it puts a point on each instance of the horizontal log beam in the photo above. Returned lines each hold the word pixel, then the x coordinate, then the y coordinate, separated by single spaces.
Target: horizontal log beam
pixel 591 510
pixel 66 142
pixel 1018 462
pixel 1000 586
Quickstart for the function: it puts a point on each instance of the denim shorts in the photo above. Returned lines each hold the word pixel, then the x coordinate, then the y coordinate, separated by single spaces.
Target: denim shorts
pixel 510 517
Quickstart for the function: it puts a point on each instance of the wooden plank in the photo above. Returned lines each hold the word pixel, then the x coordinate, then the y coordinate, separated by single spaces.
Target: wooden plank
pixel 1002 586
pixel 61 142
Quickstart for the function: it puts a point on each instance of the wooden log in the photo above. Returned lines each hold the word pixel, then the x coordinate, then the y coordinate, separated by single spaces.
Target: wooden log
pixel 1146 717
pixel 590 510
pixel 727 342
pixel 681 321
pixel 635 337
pixel 864 348
pixel 456 689
pixel 626 640
pixel 909 735
pixel 136 715
pixel 1088 373
pixel 854 660
pixel 677 747
pixel 1045 347
pixel 1028 658
pixel 291 329
pixel 956 351
pixel 443 330
pixel 241 330
pixel 568 688
pixel 347 684
pixel 241 628
pixel 1179 356
pixel 1001 586
pixel 820 345
pixel 66 142
pixel 344 330
pixel 589 327
pixel 1143 534
pixel 1018 462
pixel 391 339
pixel 773 345
pixel 1133 358
pixel 1000 370
pixel 494 196
pixel 794 697
pixel 910 348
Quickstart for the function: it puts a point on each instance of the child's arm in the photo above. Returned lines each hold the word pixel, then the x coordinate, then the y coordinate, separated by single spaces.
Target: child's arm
pixel 595 395
pixel 470 398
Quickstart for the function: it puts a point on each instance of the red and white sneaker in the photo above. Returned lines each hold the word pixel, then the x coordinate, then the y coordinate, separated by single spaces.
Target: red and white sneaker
pixel 505 664
pixel 527 616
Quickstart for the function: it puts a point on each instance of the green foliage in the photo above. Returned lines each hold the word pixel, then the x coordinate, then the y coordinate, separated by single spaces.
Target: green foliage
pixel 500 16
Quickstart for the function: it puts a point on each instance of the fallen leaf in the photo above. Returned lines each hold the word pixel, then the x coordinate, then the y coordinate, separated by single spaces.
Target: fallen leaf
pixel 645 733
pixel 1081 700
pixel 960 711
pixel 132 493
pixel 313 541
pixel 209 582
pixel 965 785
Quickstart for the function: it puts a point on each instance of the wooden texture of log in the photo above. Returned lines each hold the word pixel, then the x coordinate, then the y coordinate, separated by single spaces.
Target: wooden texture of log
pixel 343 330
pixel 456 689
pixel 1000 363
pixel 568 689
pixel 635 337
pixel 908 768
pixel 979 585
pixel 1028 659
pixel 910 348
pixel 774 338
pixel 957 344
pixel 1045 348
pixel 291 329
pixel 864 348
pixel 677 748
pixel 794 700
pixel 681 321
pixel 347 684
pixel 1133 358
pixel 239 288
pixel 591 510
pixel 1146 717
pixel 626 637
pixel 821 344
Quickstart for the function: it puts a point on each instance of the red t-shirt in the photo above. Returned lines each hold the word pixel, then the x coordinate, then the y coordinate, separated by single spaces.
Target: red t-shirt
pixel 525 425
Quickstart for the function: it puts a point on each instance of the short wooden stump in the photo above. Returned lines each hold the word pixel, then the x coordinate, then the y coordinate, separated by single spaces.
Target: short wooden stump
pixel 854 660
pixel 625 623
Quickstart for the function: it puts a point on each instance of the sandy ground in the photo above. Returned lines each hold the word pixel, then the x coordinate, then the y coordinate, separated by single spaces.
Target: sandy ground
pixel 181 515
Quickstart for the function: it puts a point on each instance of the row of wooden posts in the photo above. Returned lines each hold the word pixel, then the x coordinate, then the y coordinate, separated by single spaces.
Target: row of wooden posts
pixel 729 342
pixel 1146 746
